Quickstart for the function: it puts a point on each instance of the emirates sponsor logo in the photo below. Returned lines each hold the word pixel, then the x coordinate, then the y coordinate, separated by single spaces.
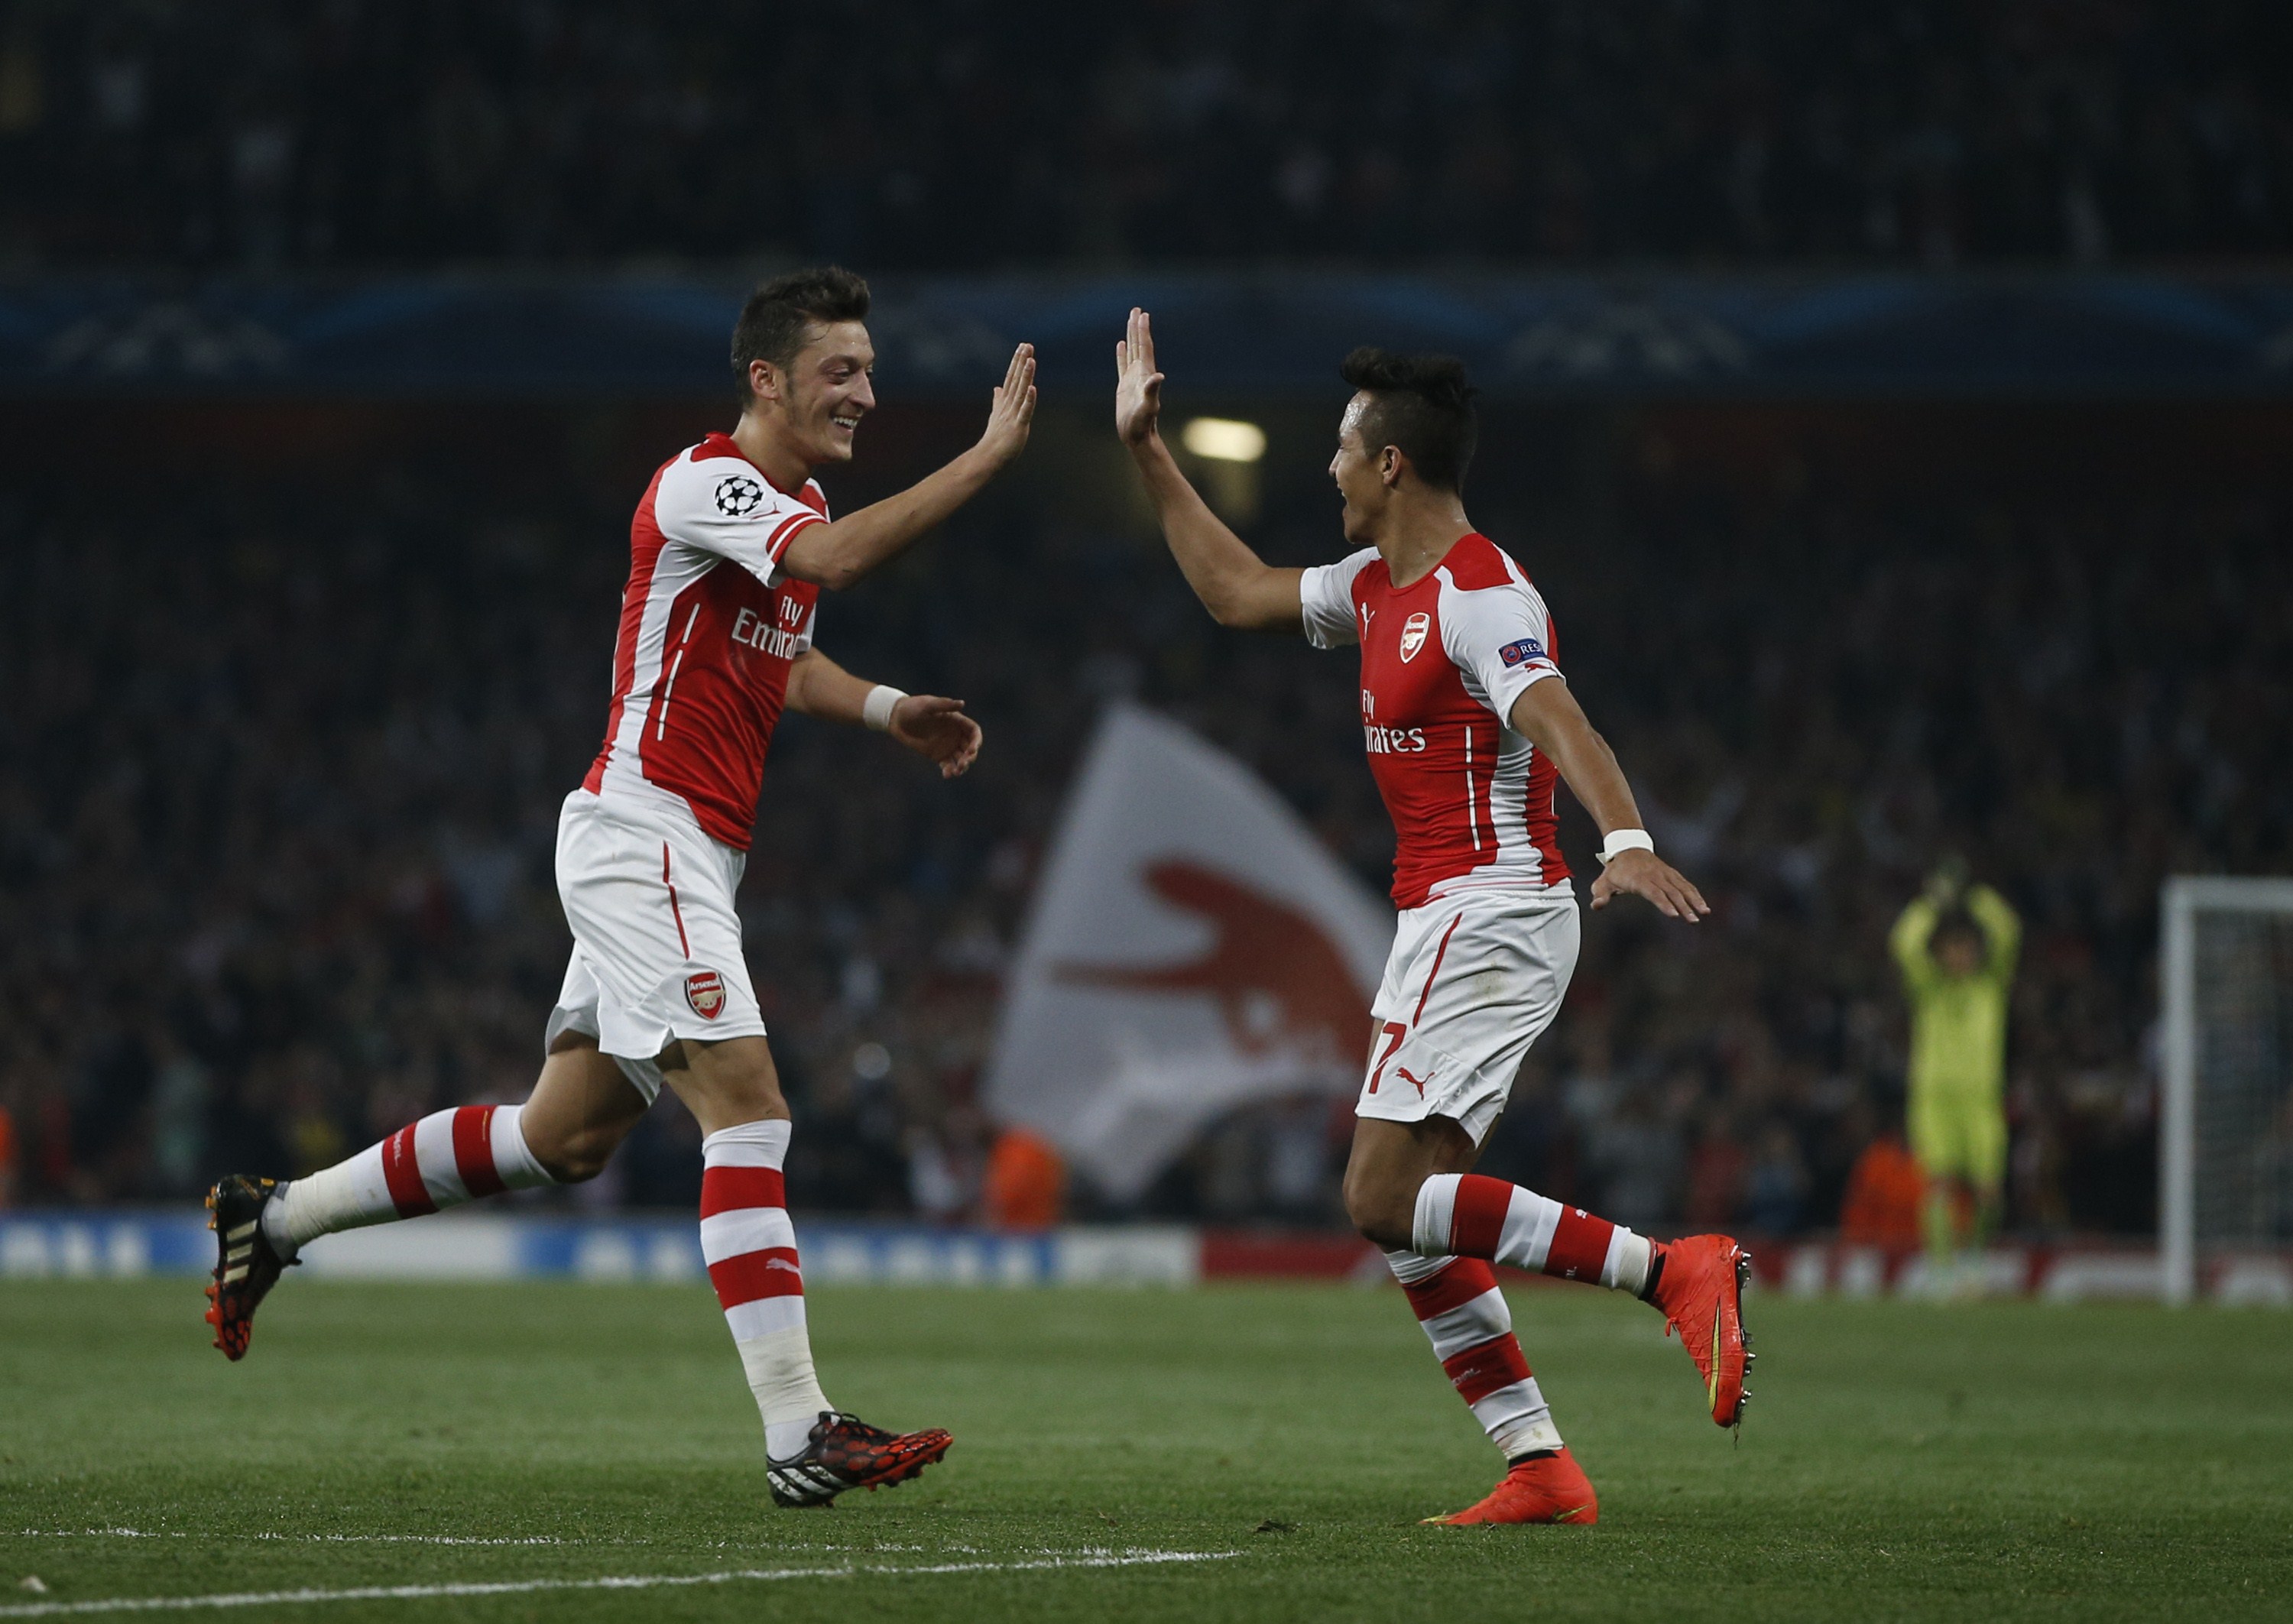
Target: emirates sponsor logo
pixel 1412 635
pixel 704 991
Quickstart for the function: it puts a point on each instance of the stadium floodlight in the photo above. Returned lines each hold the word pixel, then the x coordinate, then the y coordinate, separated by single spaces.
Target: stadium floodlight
pixel 1223 439
pixel 2226 1126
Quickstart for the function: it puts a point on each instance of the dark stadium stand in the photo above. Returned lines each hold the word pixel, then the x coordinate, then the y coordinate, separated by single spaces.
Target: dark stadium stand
pixel 906 135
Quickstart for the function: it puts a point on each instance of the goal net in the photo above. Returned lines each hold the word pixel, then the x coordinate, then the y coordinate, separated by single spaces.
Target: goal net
pixel 2225 1138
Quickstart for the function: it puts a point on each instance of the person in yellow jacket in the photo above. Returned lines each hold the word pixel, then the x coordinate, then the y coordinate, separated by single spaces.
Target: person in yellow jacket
pixel 1956 946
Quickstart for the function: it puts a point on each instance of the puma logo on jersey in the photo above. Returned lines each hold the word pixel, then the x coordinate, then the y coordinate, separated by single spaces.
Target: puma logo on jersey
pixel 1413 634
pixel 1418 1082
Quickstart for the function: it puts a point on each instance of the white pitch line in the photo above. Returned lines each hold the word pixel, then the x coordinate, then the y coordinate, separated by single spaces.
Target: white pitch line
pixel 138 1533
pixel 635 1581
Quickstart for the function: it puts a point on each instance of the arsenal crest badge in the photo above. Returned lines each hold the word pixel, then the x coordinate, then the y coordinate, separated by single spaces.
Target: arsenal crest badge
pixel 1412 635
pixel 704 990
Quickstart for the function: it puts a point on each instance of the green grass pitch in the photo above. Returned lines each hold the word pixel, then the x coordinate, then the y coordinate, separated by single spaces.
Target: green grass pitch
pixel 1998 1461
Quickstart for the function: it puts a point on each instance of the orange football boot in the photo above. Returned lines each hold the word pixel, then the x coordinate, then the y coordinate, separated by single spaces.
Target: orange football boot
pixel 1701 1293
pixel 1548 1489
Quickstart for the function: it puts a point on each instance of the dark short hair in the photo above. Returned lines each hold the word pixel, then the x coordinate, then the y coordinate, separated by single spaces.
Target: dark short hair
pixel 1422 404
pixel 775 320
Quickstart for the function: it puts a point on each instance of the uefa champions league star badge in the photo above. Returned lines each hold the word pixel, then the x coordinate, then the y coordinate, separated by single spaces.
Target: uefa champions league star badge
pixel 738 495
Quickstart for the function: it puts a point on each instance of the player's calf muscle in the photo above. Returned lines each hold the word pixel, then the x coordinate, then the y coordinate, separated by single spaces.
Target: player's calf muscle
pixel 727 1084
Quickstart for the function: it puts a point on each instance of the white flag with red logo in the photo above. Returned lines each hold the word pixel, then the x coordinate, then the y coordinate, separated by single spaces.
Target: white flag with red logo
pixel 1193 949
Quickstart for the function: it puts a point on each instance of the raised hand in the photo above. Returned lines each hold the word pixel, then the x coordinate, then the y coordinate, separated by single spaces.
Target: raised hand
pixel 1644 874
pixel 1013 411
pixel 937 730
pixel 1137 386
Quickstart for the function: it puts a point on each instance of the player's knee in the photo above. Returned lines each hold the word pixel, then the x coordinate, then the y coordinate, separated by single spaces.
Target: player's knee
pixel 1379 1209
pixel 577 1157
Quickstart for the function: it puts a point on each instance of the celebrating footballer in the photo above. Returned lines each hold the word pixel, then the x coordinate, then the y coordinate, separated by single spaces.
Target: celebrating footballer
pixel 1468 724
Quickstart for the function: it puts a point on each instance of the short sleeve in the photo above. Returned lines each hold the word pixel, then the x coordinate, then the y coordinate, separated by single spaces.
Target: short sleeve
pixel 722 504
pixel 1325 593
pixel 1500 639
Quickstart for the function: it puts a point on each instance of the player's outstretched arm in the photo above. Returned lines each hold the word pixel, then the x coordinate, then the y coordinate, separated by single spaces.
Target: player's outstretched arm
pixel 836 555
pixel 1547 716
pixel 1238 587
pixel 934 728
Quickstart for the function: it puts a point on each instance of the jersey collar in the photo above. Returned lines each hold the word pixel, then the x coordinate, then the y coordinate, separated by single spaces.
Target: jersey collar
pixel 719 443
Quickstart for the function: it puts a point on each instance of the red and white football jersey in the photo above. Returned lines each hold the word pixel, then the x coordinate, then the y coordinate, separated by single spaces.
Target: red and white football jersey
pixel 1443 659
pixel 710 626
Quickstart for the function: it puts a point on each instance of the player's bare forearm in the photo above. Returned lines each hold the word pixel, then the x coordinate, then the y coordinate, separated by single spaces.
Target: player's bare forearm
pixel 1548 717
pixel 1238 587
pixel 837 554
pixel 931 725
pixel 1234 583
pixel 817 686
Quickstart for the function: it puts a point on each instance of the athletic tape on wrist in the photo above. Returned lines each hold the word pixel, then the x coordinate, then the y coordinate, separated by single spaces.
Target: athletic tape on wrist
pixel 1621 841
pixel 876 711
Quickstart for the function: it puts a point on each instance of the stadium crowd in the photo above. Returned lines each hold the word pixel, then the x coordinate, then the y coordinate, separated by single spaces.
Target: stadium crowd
pixel 909 135
pixel 279 777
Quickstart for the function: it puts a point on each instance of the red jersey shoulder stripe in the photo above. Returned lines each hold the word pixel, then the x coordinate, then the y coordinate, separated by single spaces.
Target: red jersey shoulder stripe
pixel 1475 563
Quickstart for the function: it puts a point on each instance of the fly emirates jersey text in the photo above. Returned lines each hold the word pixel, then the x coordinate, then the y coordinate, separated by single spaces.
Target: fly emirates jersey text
pixel 1442 661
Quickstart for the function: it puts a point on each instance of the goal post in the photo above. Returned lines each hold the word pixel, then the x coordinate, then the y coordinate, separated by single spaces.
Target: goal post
pixel 2225 1129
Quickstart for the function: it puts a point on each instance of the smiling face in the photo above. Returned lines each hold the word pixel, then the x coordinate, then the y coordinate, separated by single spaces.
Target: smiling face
pixel 820 397
pixel 1364 477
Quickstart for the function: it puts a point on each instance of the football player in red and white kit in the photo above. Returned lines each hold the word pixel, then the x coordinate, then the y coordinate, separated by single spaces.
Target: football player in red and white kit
pixel 729 549
pixel 1468 724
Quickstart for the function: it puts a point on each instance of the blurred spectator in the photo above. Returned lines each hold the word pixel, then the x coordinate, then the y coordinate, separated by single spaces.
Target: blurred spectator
pixel 1956 946
pixel 1775 1188
pixel 1718 1170
pixel 1886 1195
pixel 1026 1182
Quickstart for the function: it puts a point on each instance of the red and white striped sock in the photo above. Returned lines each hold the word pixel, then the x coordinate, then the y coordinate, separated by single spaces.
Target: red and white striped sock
pixel 446 1159
pixel 1465 1315
pixel 1469 1216
pixel 749 1246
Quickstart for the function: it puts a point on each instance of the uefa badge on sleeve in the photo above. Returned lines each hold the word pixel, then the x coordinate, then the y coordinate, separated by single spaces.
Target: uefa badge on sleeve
pixel 704 991
pixel 738 495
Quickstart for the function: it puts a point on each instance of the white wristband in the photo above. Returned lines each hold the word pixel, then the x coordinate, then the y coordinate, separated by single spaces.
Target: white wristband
pixel 1620 841
pixel 876 711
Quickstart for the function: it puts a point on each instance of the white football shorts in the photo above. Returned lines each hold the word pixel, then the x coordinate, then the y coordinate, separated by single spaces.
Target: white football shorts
pixel 1472 980
pixel 656 940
